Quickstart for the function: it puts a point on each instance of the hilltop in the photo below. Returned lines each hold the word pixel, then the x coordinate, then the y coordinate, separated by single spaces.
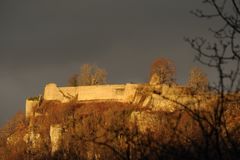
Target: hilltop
pixel 91 119
pixel 105 121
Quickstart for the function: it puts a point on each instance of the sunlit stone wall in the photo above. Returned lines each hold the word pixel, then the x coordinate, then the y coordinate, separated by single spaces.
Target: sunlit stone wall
pixel 120 93
pixel 158 97
pixel 30 104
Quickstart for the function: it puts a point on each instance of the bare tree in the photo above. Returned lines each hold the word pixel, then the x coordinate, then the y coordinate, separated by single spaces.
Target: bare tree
pixel 89 75
pixel 198 80
pixel 162 71
pixel 92 75
pixel 223 55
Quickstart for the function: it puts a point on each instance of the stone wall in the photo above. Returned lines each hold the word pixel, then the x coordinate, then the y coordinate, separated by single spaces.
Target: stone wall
pixel 120 93
pixel 30 104
pixel 158 97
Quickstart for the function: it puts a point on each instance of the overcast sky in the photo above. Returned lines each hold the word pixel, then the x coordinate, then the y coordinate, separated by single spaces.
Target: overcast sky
pixel 44 41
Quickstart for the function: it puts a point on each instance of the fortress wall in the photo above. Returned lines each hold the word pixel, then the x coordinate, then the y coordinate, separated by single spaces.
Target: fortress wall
pixel 68 91
pixel 166 98
pixel 52 92
pixel 130 92
pixel 159 97
pixel 121 93
pixel 101 92
pixel 30 104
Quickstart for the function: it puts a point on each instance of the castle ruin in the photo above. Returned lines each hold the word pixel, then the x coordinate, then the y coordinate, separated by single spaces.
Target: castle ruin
pixel 156 97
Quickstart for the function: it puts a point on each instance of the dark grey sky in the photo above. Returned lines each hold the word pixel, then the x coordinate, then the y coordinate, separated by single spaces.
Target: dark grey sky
pixel 45 41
